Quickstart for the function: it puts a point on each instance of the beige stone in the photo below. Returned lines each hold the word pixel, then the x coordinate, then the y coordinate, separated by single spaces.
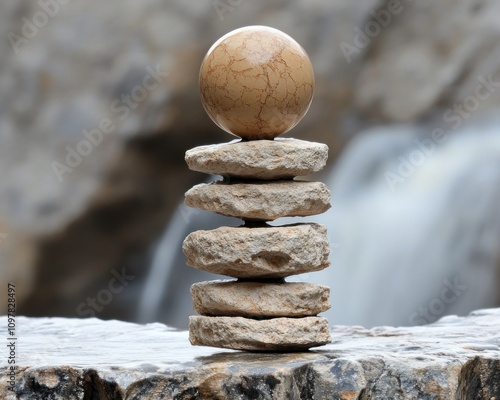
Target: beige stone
pixel 275 334
pixel 259 299
pixel 263 201
pixel 269 252
pixel 259 159
pixel 256 82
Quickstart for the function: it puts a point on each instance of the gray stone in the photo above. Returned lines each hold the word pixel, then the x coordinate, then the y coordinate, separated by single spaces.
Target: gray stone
pixel 269 252
pixel 455 358
pixel 275 334
pixel 261 201
pixel 259 159
pixel 259 299
pixel 441 81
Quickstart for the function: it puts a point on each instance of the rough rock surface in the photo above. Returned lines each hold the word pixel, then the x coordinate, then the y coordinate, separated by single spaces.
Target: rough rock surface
pixel 262 201
pixel 269 252
pixel 259 299
pixel 455 358
pixel 275 334
pixel 259 159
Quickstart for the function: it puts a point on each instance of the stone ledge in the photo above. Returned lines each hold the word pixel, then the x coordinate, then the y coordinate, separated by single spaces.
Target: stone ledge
pixel 455 358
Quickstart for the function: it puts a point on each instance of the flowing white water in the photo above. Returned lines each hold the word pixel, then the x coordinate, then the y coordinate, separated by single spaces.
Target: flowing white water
pixel 406 256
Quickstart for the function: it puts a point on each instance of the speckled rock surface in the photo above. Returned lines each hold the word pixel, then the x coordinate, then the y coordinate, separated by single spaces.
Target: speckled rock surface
pixel 455 358
pixel 270 252
pixel 264 201
pixel 274 334
pixel 259 159
pixel 257 299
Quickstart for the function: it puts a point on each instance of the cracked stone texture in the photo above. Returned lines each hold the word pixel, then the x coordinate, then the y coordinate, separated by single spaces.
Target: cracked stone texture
pixel 259 299
pixel 260 201
pixel 256 82
pixel 268 252
pixel 274 334
pixel 259 159
pixel 454 358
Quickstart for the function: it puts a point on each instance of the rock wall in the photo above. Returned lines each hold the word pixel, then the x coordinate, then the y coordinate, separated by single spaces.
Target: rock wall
pixel 100 102
pixel 454 358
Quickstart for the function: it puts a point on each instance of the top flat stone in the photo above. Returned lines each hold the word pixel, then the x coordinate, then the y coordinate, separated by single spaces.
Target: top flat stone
pixel 259 159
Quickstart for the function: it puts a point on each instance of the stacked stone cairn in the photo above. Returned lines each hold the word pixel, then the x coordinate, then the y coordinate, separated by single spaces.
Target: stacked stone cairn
pixel 258 310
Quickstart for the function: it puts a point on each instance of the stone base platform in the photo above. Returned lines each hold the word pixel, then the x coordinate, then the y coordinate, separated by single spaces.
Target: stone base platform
pixel 454 358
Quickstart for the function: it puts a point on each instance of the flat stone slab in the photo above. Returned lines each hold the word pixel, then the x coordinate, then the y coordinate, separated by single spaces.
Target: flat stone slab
pixel 257 299
pixel 280 158
pixel 270 252
pixel 59 358
pixel 275 334
pixel 261 201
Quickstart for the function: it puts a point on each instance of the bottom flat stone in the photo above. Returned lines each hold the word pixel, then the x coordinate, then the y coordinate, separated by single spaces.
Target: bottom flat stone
pixel 275 334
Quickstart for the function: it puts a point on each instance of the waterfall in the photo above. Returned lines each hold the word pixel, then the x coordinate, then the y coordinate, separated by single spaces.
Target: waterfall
pixel 166 297
pixel 414 228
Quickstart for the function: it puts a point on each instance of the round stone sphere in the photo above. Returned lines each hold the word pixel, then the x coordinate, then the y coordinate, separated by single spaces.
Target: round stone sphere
pixel 256 82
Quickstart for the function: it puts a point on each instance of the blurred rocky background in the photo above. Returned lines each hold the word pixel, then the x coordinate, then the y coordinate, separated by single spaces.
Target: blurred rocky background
pixel 99 102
